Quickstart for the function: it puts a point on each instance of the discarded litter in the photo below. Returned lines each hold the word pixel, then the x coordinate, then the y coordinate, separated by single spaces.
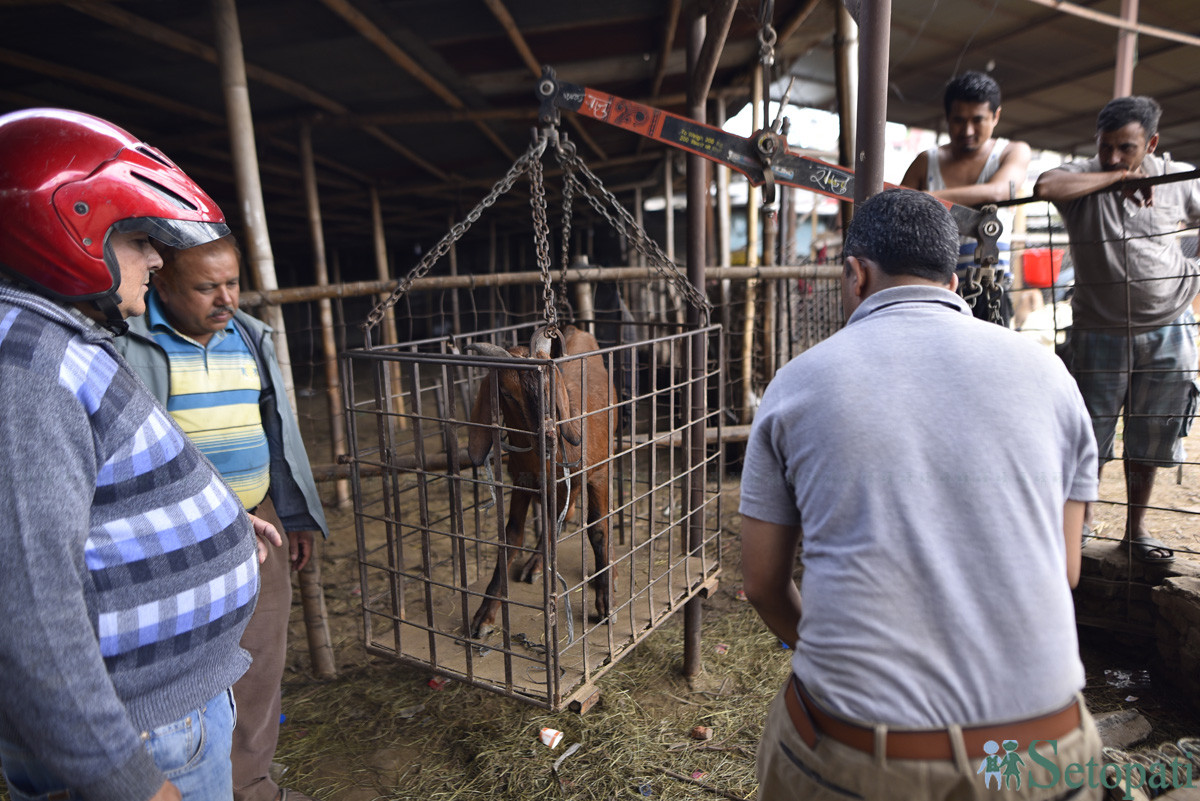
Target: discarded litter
pixel 702 733
pixel 722 648
pixel 698 774
pixel 410 711
pixel 645 789
pixel 740 595
pixel 1124 679
pixel 551 737
pixel 437 682
pixel 570 750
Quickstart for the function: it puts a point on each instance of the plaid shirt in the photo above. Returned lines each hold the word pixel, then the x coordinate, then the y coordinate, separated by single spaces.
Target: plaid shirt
pixel 129 570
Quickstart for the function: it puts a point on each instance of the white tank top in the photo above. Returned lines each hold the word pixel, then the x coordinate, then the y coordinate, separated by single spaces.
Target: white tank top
pixel 934 182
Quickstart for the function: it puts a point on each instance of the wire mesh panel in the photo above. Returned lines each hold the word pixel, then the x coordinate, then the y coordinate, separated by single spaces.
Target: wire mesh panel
pixel 611 461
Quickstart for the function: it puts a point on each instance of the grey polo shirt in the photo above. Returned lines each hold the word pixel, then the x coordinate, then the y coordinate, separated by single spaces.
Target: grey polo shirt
pixel 927 456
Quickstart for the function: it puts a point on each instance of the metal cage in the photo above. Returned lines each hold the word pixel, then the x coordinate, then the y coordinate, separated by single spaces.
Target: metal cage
pixel 430 523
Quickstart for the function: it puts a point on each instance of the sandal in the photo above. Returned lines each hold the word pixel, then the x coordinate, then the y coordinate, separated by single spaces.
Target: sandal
pixel 1151 551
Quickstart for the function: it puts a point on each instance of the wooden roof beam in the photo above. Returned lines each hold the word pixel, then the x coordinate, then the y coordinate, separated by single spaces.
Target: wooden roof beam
pixel 120 18
pixel 373 34
pixel 93 81
pixel 500 12
pixel 664 52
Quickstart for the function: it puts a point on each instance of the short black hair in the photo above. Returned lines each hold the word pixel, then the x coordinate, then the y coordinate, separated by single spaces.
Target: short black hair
pixel 972 87
pixel 905 232
pixel 1121 111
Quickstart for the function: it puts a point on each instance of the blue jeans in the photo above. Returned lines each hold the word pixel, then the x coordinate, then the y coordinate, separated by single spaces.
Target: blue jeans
pixel 193 752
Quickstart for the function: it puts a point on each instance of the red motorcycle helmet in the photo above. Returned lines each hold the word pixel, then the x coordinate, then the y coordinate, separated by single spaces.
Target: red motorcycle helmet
pixel 67 181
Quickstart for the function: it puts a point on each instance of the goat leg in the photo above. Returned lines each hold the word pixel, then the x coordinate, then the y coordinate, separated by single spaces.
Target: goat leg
pixel 605 579
pixel 484 622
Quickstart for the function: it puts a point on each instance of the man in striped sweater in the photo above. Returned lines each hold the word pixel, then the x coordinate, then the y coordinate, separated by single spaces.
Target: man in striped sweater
pixel 128 568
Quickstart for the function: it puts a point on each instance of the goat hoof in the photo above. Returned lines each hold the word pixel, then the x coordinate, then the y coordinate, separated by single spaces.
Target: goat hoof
pixel 481 626
pixel 532 569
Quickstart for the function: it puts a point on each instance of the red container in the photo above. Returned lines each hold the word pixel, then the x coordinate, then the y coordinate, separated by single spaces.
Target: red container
pixel 1041 266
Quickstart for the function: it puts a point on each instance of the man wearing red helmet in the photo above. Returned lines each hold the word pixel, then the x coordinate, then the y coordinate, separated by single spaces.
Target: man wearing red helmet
pixel 128 566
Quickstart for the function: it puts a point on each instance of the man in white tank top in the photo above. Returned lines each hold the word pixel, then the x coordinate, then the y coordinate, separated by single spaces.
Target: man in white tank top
pixel 974 168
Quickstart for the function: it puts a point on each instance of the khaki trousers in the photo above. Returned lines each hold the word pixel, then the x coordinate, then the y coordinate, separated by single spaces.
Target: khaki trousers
pixel 789 769
pixel 257 692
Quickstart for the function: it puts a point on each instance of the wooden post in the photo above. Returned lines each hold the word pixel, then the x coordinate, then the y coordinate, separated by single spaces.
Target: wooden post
pixel 749 318
pixel 724 246
pixel 390 335
pixel 333 383
pixel 262 262
pixel 1126 51
pixel 455 316
pixel 585 306
pixel 492 271
pixel 874 27
pixel 846 49
pixel 245 167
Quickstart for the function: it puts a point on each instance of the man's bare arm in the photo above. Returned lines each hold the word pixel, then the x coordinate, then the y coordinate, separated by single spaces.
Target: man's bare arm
pixel 768 558
pixel 1009 178
pixel 1073 533
pixel 1058 185
pixel 914 177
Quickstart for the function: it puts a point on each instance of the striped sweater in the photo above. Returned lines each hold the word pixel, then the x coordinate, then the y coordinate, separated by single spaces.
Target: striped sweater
pixel 127 568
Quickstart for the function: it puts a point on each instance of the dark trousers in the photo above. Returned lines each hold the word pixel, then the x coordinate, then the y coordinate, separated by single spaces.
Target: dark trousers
pixel 257 692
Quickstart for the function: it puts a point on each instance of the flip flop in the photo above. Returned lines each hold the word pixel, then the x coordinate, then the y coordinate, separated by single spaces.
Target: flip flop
pixel 1151 551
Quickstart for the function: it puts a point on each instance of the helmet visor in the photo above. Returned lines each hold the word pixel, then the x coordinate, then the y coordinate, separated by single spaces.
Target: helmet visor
pixel 180 234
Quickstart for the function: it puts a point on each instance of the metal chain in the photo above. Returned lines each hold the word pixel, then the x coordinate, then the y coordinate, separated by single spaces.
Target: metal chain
pixel 622 221
pixel 766 52
pixel 568 197
pixel 541 239
pixel 532 156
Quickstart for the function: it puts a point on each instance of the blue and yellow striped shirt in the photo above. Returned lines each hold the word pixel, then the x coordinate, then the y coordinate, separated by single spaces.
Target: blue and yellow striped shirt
pixel 214 398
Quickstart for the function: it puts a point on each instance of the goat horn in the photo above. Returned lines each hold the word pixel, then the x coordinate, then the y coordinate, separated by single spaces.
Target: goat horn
pixel 487 349
pixel 540 345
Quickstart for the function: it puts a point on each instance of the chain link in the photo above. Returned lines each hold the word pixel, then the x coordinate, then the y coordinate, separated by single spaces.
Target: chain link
pixel 522 165
pixel 622 221
pixel 541 239
pixel 568 198
pixel 600 199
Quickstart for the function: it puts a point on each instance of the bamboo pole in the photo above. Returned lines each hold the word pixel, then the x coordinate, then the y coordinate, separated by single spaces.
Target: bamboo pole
pixel 748 319
pixel 333 383
pixel 455 315
pixel 492 271
pixel 262 261
pixel 1126 51
pixel 390 336
pixel 356 289
pixel 724 246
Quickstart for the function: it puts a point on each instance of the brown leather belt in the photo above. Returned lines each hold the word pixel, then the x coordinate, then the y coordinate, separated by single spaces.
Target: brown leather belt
pixel 809 719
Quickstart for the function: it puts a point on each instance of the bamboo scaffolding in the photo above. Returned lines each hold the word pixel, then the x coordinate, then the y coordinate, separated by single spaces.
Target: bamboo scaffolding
pixel 355 289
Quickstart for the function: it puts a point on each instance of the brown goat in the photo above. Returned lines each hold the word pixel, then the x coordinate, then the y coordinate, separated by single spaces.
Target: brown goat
pixel 586 429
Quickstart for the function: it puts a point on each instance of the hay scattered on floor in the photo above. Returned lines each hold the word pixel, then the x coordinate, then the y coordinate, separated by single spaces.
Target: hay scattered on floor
pixel 380 732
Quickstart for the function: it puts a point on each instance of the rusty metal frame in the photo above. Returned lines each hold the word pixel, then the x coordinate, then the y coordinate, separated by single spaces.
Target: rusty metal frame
pixel 426 544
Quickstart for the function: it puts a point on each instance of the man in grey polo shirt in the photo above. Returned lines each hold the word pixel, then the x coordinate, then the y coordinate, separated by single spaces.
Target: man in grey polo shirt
pixel 937 618
pixel 1131 342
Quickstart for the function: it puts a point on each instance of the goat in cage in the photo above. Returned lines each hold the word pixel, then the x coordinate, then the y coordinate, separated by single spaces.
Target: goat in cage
pixel 585 424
